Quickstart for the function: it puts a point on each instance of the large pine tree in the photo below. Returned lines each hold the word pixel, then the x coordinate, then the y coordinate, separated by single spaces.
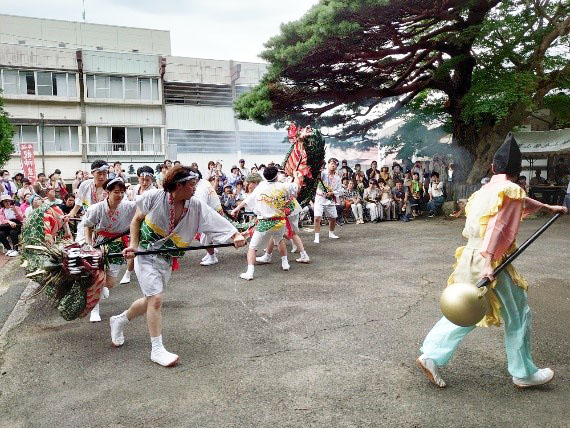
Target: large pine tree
pixel 478 67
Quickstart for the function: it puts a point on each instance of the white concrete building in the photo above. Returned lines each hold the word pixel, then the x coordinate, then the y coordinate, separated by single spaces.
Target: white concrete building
pixel 199 95
pixel 81 91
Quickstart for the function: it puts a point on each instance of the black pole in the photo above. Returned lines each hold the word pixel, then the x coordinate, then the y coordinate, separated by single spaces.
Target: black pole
pixel 173 250
pixel 485 281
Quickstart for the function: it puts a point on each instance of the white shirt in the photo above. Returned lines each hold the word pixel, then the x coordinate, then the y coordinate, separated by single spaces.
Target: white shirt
pixel 207 194
pixel 436 190
pixel 333 184
pixel 270 199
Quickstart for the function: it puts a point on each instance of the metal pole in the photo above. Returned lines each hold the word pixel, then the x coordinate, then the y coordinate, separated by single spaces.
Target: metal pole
pixel 485 281
pixel 42 142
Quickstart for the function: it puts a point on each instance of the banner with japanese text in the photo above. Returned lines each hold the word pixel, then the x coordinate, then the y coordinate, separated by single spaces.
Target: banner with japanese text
pixel 28 161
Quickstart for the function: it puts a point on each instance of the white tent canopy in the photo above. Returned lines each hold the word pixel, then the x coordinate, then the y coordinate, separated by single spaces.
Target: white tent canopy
pixel 543 143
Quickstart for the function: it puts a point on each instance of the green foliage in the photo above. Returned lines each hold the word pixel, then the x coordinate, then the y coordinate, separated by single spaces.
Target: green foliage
pixel 492 95
pixel 559 105
pixel 131 169
pixel 350 65
pixel 6 133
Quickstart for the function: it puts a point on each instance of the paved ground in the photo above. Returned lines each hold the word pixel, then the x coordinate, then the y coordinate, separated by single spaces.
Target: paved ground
pixel 329 344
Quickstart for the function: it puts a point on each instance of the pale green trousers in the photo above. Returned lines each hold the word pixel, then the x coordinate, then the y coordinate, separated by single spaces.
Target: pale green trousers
pixel 444 338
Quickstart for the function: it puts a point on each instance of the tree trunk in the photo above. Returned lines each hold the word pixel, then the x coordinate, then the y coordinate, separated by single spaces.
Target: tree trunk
pixel 481 143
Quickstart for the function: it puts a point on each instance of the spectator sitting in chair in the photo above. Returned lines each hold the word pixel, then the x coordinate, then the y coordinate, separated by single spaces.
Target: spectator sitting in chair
pixel 416 193
pixel 372 172
pixel 239 192
pixel 435 192
pixel 371 198
pixel 345 170
pixel 358 172
pixel 353 201
pixel 400 196
pixel 361 184
pixel 51 197
pixel 11 220
pixel 537 180
pixel 387 205
pixel 385 175
pixel 228 198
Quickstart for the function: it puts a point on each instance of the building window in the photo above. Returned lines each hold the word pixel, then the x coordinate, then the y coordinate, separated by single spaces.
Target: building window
pixel 27 83
pixel 113 140
pixel 102 87
pixel 44 83
pixel 122 88
pixel 56 139
pixel 131 89
pixel 10 81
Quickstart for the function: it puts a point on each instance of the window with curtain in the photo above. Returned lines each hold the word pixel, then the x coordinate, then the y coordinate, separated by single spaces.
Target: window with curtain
pixel 71 85
pixel 60 87
pixel 45 83
pixel 90 86
pixel 117 87
pixel 144 89
pixel 154 89
pixel 48 138
pixel 131 88
pixel 102 86
pixel 10 81
pixel 134 139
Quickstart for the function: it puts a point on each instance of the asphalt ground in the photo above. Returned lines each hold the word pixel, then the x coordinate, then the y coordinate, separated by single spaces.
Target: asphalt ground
pixel 330 344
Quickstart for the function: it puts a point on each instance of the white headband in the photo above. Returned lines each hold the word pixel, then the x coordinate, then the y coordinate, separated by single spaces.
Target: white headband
pixel 101 168
pixel 113 181
pixel 191 176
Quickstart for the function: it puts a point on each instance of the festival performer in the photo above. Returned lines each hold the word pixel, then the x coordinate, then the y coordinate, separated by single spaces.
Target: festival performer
pixel 270 201
pixel 145 174
pixel 167 218
pixel 108 219
pixel 329 190
pixel 89 193
pixel 493 217
pixel 291 233
pixel 206 193
pixel 251 183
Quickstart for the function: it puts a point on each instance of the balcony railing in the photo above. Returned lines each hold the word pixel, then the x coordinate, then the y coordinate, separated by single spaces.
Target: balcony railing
pixel 118 148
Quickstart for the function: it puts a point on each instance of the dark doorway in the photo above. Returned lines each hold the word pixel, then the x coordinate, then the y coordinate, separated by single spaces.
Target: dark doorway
pixel 118 138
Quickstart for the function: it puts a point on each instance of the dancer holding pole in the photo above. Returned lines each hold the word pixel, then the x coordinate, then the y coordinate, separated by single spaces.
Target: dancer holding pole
pixel 166 219
pixel 493 218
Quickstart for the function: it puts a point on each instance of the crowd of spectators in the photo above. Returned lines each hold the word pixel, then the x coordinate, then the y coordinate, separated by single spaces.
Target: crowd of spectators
pixel 396 192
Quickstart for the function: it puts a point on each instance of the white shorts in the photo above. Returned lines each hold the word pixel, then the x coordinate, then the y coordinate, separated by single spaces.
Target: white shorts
pixel 294 222
pixel 259 240
pixel 113 270
pixel 153 272
pixel 329 210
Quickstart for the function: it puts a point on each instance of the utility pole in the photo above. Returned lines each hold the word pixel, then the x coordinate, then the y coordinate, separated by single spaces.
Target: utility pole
pixel 235 70
pixel 42 142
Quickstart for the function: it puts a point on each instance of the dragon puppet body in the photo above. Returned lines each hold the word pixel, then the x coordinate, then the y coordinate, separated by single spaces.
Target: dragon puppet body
pixel 306 155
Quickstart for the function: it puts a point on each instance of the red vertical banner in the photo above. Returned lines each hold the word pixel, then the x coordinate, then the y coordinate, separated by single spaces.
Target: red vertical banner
pixel 28 161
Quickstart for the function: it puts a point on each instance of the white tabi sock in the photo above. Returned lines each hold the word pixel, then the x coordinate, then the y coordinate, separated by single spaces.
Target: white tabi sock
pixel 160 355
pixel 250 269
pixel 285 263
pixel 94 315
pixel 317 236
pixel 303 254
pixel 118 323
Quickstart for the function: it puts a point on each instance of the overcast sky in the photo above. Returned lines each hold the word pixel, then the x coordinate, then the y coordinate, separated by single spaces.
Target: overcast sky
pixel 216 29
